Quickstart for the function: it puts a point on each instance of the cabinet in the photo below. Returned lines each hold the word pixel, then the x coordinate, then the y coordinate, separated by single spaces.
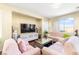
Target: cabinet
pixel 29 36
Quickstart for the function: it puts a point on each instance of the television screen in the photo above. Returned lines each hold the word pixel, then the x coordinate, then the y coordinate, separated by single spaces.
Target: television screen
pixel 27 28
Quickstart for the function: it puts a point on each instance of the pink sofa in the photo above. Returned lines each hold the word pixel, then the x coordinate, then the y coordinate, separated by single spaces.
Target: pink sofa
pixel 70 47
pixel 11 48
pixel 55 49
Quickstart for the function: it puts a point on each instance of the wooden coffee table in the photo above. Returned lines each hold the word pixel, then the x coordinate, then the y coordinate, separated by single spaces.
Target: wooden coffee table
pixel 43 42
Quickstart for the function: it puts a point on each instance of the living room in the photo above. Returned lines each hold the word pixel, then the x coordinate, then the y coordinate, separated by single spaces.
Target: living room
pixel 41 32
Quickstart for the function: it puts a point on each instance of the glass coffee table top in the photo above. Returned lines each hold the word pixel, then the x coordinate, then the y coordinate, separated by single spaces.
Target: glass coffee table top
pixel 44 40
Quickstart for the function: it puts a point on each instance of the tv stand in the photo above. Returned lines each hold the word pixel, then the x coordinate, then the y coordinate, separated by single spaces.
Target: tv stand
pixel 29 36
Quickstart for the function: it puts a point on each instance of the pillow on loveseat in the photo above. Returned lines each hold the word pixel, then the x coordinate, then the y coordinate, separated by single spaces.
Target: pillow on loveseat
pixel 22 45
pixel 66 35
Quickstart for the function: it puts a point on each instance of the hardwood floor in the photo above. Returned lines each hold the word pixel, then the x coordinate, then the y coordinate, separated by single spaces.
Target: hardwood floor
pixel 35 44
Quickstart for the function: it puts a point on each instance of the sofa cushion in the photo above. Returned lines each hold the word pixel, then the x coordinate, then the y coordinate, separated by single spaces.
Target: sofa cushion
pixel 75 42
pixel 58 47
pixel 23 46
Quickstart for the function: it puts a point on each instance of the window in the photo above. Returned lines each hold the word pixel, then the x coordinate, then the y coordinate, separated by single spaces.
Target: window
pixel 66 25
pixel 45 25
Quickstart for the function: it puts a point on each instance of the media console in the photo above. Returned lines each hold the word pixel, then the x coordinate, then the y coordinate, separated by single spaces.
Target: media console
pixel 29 36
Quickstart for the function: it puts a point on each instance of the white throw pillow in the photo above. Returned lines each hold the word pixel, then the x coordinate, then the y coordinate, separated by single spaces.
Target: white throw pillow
pixel 75 42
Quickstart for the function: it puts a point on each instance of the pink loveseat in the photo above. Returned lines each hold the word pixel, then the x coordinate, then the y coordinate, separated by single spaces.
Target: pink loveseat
pixel 57 36
pixel 55 49
pixel 11 48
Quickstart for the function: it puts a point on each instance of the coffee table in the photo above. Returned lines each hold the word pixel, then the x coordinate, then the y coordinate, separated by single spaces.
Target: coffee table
pixel 43 42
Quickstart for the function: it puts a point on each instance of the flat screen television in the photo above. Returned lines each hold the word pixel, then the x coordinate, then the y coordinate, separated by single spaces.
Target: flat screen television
pixel 27 28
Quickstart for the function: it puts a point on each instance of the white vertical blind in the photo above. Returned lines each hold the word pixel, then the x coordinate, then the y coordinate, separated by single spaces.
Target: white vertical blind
pixel 46 25
pixel 55 26
pixel 0 25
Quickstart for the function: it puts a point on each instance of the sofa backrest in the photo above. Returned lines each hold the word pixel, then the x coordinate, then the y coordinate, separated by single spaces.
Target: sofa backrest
pixel 10 47
pixel 57 34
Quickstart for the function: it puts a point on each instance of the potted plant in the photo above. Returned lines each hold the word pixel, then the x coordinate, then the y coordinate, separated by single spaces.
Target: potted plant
pixel 45 34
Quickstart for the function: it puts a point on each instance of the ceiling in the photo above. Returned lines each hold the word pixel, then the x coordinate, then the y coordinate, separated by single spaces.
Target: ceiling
pixel 47 9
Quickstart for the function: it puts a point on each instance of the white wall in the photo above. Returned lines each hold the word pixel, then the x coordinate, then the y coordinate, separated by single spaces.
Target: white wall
pixel 6 24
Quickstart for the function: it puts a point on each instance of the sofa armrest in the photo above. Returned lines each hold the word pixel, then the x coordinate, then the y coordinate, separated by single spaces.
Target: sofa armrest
pixel 48 51
pixel 34 51
pixel 70 49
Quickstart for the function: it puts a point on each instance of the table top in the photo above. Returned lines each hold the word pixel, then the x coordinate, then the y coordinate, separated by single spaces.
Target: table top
pixel 44 40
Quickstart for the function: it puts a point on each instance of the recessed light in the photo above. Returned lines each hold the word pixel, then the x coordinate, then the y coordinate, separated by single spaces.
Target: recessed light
pixel 55 5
